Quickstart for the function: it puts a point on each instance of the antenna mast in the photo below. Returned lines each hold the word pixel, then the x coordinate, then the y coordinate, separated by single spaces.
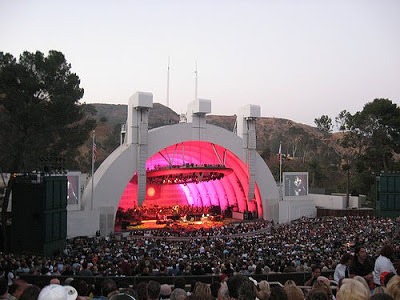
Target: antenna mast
pixel 195 87
pixel 168 84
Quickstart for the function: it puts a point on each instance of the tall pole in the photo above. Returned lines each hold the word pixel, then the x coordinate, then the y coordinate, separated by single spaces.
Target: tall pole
pixel 348 184
pixel 93 159
pixel 195 87
pixel 168 84
pixel 280 164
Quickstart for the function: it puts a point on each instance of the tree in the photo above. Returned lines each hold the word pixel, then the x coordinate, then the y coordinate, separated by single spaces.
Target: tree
pixel 375 133
pixel 324 123
pixel 373 138
pixel 342 120
pixel 40 115
pixel 40 111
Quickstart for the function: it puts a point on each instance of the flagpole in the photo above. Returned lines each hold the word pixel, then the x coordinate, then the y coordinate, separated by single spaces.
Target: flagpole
pixel 91 202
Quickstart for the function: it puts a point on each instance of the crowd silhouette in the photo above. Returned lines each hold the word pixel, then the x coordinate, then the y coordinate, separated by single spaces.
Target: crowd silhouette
pixel 309 245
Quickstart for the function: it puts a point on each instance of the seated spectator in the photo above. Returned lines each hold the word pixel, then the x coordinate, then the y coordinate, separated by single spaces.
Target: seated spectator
pixel 180 283
pixel 293 292
pixel 81 287
pixel 351 289
pixel 199 297
pixel 393 287
pixel 4 288
pixel 153 290
pixel 315 272
pixel 215 286
pixel 129 291
pixel 278 293
pixel 58 292
pixel 178 294
pixel 323 285
pixel 55 280
pixel 30 293
pixel 379 290
pixel 165 291
pixel 385 277
pixel 122 296
pixel 362 280
pixel 141 289
pixel 107 288
pixel 264 290
pixel 17 288
pixel 317 294
pixel 85 270
pixel 223 292
pixel 241 287
pixel 223 278
pixel 202 289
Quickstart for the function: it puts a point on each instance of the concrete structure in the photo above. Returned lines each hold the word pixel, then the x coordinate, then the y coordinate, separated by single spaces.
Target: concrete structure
pixel 121 178
pixel 306 206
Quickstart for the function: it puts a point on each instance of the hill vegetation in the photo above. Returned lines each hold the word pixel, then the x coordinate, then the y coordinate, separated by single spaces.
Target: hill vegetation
pixel 301 144
pixel 347 161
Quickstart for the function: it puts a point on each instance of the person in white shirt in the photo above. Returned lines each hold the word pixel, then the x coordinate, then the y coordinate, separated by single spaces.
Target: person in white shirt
pixel 342 269
pixel 384 263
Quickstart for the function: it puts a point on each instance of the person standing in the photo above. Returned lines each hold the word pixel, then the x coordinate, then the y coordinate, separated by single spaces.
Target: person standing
pixel 384 263
pixel 342 268
pixel 362 265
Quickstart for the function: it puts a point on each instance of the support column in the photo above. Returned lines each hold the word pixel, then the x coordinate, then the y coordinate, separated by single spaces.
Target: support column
pixel 138 123
pixel 246 129
pixel 196 114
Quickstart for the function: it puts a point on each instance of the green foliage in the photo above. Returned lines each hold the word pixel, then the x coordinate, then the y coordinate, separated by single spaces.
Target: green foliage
pixel 112 140
pixel 342 120
pixel 40 112
pixel 266 153
pixel 374 134
pixel 316 173
pixel 324 123
pixel 372 139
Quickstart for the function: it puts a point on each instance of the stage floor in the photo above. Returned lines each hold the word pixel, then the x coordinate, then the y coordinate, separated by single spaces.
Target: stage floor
pixel 188 226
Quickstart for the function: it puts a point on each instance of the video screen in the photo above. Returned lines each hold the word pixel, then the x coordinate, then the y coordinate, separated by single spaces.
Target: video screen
pixel 295 184
pixel 72 190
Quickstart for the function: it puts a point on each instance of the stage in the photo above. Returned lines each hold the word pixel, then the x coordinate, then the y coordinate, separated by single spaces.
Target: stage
pixel 203 223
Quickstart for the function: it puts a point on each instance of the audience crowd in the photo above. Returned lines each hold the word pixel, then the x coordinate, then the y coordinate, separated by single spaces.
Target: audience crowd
pixel 361 250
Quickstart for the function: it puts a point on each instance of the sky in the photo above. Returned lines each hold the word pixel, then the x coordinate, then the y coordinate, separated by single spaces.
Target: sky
pixel 296 59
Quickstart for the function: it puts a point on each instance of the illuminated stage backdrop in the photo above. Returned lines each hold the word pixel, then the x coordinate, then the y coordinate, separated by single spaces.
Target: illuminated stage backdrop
pixel 202 158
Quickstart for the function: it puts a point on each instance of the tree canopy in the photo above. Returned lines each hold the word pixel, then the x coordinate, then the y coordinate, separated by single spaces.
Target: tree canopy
pixel 40 114
pixel 324 123
pixel 374 133
pixel 371 141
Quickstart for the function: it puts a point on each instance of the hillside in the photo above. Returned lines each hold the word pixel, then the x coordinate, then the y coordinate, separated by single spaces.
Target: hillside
pixel 270 131
pixel 159 115
pixel 304 148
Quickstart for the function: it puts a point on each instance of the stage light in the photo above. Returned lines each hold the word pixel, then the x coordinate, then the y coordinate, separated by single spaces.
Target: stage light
pixel 151 192
pixel 187 173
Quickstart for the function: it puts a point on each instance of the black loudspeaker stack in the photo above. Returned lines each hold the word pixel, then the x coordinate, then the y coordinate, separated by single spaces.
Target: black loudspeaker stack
pixel 39 215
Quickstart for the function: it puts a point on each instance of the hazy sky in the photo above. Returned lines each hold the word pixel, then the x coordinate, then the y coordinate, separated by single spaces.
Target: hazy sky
pixel 296 59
